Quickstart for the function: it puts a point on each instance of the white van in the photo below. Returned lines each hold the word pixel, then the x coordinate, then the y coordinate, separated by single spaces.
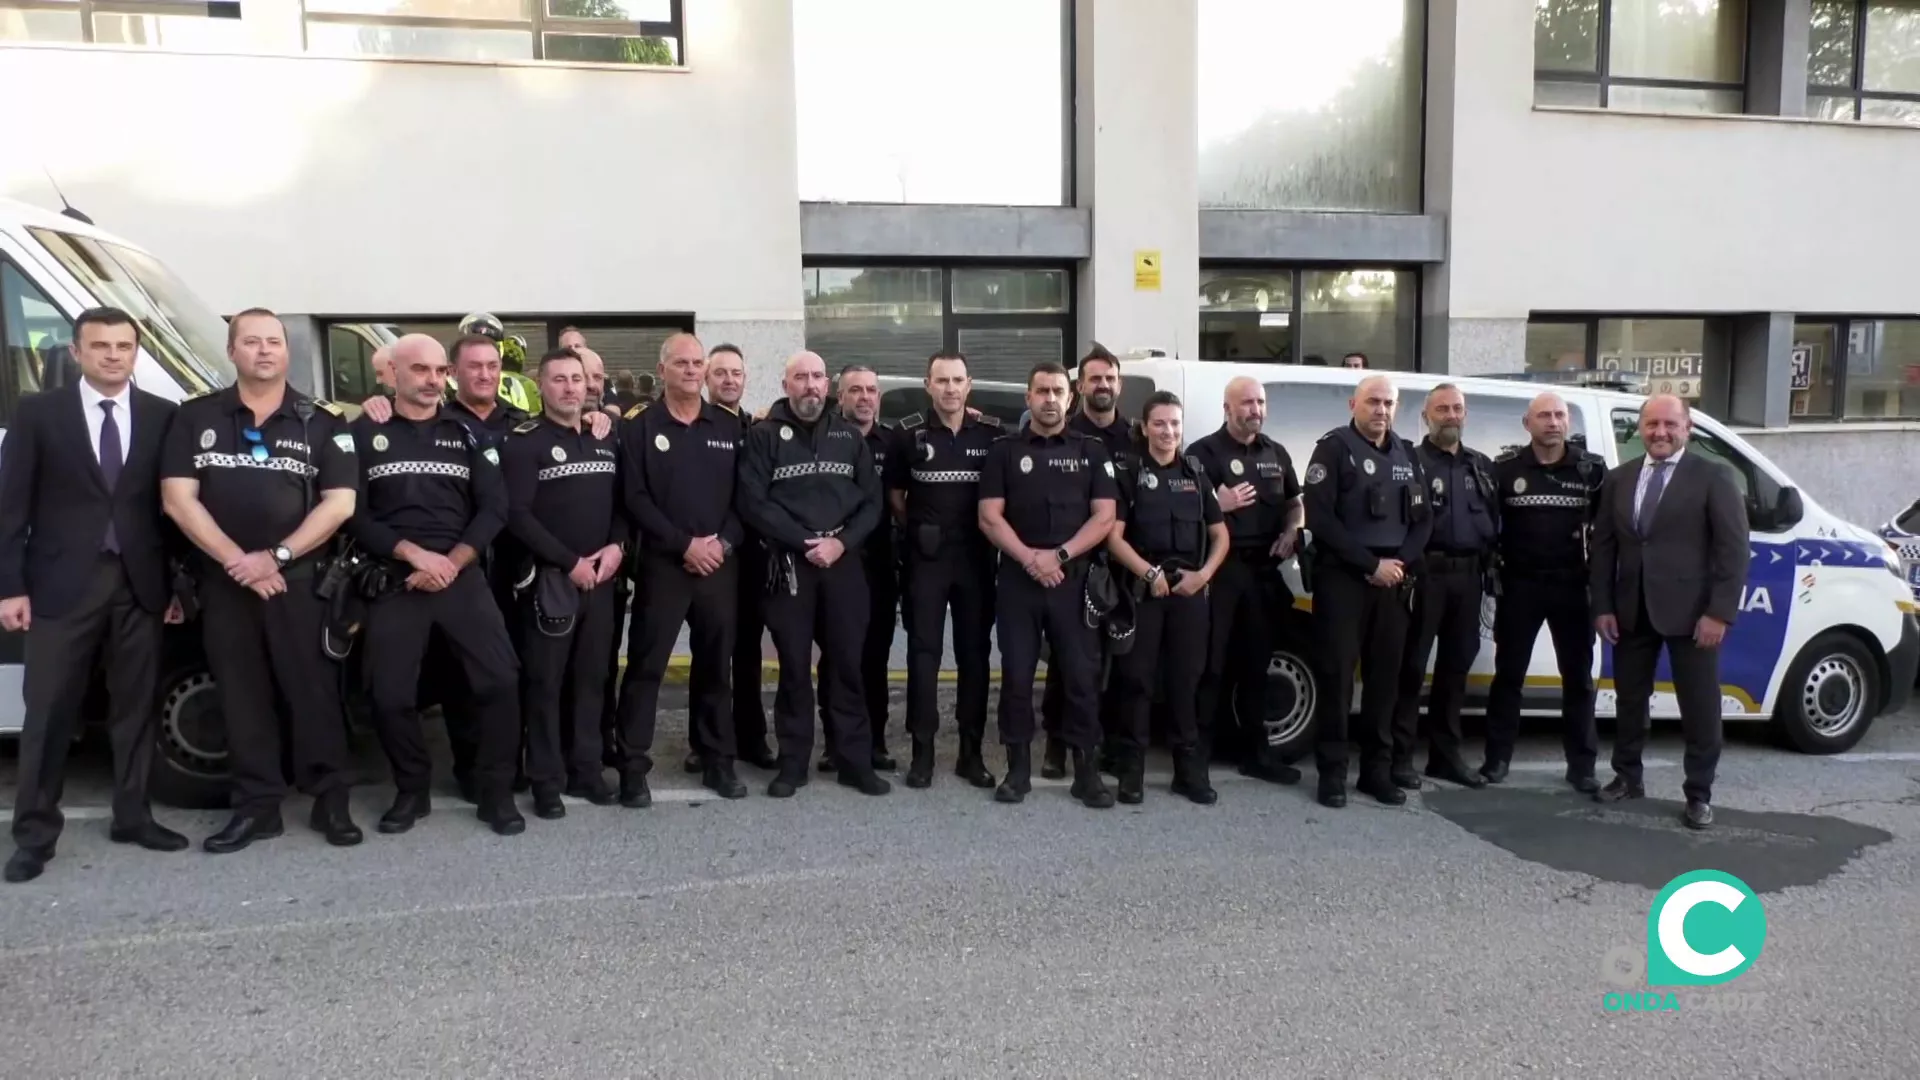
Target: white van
pixel 1827 637
pixel 53 267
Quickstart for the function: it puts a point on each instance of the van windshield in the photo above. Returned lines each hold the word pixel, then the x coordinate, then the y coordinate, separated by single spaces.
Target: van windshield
pixel 187 338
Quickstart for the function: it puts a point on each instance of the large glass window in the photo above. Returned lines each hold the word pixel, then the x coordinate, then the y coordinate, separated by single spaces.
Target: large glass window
pixel 1856 369
pixel 159 24
pixel 1864 61
pixel 1669 354
pixel 1309 316
pixel 933 101
pixel 893 318
pixel 1310 105
pixel 1648 55
pixel 641 32
pixel 38 340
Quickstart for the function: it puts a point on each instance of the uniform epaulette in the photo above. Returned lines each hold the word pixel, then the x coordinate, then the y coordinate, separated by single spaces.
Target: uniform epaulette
pixel 330 407
pixel 912 421
pixel 991 420
pixel 1507 453
pixel 637 410
pixel 527 428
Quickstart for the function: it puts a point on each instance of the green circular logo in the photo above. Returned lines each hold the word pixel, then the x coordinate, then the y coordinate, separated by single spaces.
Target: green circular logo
pixel 1705 928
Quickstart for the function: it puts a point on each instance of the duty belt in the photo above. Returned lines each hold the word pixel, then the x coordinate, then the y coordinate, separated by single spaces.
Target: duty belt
pixel 1452 560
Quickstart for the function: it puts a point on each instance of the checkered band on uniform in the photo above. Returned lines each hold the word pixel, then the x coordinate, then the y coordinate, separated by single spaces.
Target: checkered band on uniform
pixel 574 468
pixel 950 476
pixel 418 468
pixel 244 461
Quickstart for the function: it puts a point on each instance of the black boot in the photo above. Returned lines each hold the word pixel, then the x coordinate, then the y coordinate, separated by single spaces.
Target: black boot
pixel 546 802
pixel 243 830
pixel 1019 779
pixel 1113 758
pixel 408 807
pixel 499 812
pixel 1087 785
pixel 972 766
pixel 1190 778
pixel 1261 763
pixel 332 819
pixel 920 773
pixel 1053 765
pixel 1403 776
pixel 720 779
pixel 1132 775
pixel 634 792
pixel 882 760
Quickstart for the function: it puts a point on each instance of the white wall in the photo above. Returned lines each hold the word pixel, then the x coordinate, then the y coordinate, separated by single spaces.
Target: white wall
pixel 331 186
pixel 1605 211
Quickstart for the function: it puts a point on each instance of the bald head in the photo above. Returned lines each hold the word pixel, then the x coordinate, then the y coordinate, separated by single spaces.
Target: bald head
pixel 683 368
pixel 1547 424
pixel 382 362
pixel 1666 423
pixel 805 384
pixel 419 372
pixel 1373 402
pixel 1245 407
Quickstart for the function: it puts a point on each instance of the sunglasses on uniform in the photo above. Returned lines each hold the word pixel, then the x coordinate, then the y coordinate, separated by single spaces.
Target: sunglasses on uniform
pixel 256 442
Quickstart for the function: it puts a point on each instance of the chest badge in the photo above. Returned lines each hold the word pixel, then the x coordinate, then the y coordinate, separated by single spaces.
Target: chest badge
pixel 559 454
pixel 661 444
pixel 1149 480
pixel 1109 469
pixel 206 439
pixel 1519 485
pixel 1439 486
pixel 1367 464
pixel 929 451
pixel 379 442
pixel 786 432
pixel 492 455
pixel 1237 467
pixel 1026 464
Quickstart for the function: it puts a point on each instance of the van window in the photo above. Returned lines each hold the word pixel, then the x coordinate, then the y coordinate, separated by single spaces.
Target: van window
pixel 1494 422
pixel 1003 401
pixel 350 358
pixel 1758 489
pixel 39 341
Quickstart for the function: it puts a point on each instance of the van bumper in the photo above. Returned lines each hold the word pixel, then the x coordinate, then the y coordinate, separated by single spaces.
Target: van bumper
pixel 1903 664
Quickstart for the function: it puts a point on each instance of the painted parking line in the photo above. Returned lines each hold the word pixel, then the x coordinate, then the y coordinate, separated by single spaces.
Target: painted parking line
pixel 1879 755
pixel 1561 766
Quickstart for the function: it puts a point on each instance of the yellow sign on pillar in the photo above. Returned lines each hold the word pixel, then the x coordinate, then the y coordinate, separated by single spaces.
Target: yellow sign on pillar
pixel 1146 271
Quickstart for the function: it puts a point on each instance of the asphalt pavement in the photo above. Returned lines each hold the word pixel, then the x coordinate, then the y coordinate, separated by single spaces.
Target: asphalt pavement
pixel 938 934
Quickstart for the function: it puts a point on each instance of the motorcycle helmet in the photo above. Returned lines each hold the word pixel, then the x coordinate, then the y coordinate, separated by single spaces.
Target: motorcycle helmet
pixel 485 325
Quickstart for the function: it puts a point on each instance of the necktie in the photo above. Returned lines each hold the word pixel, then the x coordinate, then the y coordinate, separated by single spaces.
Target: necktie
pixel 111 459
pixel 1651 499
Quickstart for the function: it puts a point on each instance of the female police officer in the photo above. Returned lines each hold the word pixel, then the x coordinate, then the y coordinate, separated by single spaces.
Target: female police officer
pixel 1172 537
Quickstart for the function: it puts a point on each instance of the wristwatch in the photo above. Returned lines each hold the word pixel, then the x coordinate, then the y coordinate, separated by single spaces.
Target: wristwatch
pixel 282 555
pixel 1065 556
pixel 1153 575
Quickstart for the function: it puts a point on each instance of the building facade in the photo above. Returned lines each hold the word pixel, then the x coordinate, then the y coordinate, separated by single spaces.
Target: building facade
pixel 1717 194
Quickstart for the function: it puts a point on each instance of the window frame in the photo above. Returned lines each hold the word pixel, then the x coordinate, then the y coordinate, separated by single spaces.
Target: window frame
pixel 538 23
pixel 1590 322
pixel 1296 352
pixel 87 9
pixel 1603 62
pixel 1856 90
pixel 952 323
pixel 1843 328
pixel 11 393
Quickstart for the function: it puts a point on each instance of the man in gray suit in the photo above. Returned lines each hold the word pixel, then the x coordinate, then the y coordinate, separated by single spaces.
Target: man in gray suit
pixel 1669 563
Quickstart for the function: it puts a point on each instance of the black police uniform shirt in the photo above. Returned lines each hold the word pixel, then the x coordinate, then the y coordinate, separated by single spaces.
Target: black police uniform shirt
pixel 801 481
pixel 1266 465
pixel 563 492
pixel 430 482
pixel 1545 510
pixel 939 469
pixel 1116 438
pixel 492 429
pixel 1049 483
pixel 880 439
pixel 1168 509
pixel 253 477
pixel 1365 503
pixel 680 477
pixel 1465 501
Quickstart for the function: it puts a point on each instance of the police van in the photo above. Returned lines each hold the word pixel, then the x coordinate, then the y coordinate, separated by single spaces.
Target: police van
pixel 1826 637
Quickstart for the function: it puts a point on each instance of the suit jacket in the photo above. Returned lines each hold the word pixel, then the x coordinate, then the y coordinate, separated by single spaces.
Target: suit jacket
pixel 1693 561
pixel 54 503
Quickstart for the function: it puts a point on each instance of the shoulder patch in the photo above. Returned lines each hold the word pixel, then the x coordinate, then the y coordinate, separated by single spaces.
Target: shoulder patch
pixel 912 421
pixel 1508 454
pixel 991 420
pixel 637 410
pixel 527 428
pixel 330 407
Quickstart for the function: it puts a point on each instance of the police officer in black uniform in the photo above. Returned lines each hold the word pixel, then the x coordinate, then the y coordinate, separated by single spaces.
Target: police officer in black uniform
pixel 1259 493
pixel 1549 495
pixel 934 484
pixel 682 457
pixel 1171 537
pixel 259 476
pixel 1367 507
pixel 1047 499
pixel 1098 418
pixel 563 547
pixel 1446 593
pixel 432 499
pixel 860 408
pixel 807 484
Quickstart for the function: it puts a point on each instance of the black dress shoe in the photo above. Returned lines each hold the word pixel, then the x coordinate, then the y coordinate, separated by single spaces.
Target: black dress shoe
pixel 150 835
pixel 634 792
pixel 788 783
pixel 1053 762
pixel 1584 783
pixel 1333 793
pixel 1404 777
pixel 1087 785
pixel 244 829
pixel 1269 768
pixel 596 791
pixel 1618 789
pixel 1698 815
pixel 501 815
pixel 695 764
pixel 1495 772
pixel 719 777
pixel 26 865
pixel 332 819
pixel 408 807
pixel 759 756
pixel 883 761
pixel 546 803
pixel 1453 772
pixel 1383 790
pixel 971 766
pixel 865 781
pixel 1019 782
pixel 920 772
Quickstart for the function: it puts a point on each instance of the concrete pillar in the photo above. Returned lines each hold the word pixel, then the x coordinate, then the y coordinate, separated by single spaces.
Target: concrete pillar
pixel 1777 50
pixel 1137 168
pixel 1762 370
pixel 1436 330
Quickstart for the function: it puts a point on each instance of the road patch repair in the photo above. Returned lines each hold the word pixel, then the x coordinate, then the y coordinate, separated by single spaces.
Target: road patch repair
pixel 1642 841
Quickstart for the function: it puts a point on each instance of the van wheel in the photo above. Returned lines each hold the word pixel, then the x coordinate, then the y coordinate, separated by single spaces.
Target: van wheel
pixel 190 759
pixel 1828 697
pixel 1292 694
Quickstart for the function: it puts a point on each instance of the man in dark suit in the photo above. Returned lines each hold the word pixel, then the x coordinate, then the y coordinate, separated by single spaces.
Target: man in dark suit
pixel 83 570
pixel 1669 563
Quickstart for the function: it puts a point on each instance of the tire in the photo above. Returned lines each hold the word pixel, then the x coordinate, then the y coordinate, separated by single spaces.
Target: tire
pixel 1293 691
pixel 190 752
pixel 1828 698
